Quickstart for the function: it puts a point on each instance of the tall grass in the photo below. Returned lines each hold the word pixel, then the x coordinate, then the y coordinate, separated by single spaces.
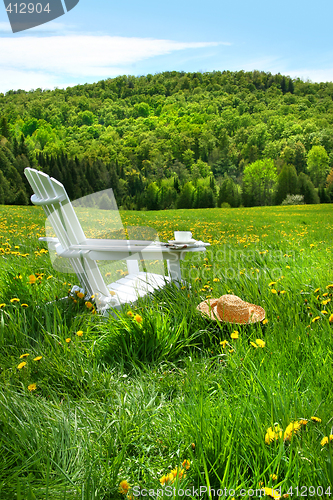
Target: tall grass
pixel 136 395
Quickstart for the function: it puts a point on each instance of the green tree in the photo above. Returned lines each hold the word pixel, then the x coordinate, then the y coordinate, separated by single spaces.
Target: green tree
pixel 229 193
pixel 5 191
pixel 188 158
pixel 21 197
pixel 30 126
pixel 4 128
pixel 204 168
pixel 204 197
pixel 259 180
pixel 286 183
pixel 317 162
pixel 307 189
pixel 152 196
pixel 185 199
pixel 299 157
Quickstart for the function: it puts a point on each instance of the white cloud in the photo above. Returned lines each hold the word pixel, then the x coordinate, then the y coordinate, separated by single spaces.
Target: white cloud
pixel 5 27
pixel 50 27
pixel 315 75
pixel 27 62
pixel 278 64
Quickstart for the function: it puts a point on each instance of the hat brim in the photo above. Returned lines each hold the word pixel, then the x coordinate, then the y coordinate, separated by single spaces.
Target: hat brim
pixel 208 309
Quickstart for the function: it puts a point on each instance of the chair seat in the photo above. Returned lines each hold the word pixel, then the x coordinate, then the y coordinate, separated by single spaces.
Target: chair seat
pixel 133 286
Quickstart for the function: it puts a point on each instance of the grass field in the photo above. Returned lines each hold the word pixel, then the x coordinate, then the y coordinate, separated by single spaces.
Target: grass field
pixel 161 400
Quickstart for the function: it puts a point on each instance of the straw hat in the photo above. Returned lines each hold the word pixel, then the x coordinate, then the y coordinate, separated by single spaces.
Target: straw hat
pixel 231 309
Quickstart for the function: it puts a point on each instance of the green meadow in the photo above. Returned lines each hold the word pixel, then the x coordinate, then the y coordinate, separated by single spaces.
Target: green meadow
pixel 161 402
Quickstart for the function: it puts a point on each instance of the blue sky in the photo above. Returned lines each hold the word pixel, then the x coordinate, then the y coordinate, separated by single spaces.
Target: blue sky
pixel 100 39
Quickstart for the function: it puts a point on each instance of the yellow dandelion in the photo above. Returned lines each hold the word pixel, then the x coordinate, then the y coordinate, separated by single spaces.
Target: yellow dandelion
pixel 170 477
pixel 272 493
pixel 181 473
pixel 32 387
pixel 32 278
pixel 124 487
pixel 325 294
pixel 303 421
pixel 324 312
pixel 329 286
pixel 68 340
pixel 287 267
pixel 80 295
pixel 273 433
pixel 129 313
pixel 223 343
pixel 21 365
pixel 265 321
pixel 272 283
pixel 38 358
pixel 15 299
pixel 325 302
pixel 324 441
pixel 186 464
pixel 234 335
pixel 273 290
pixel 2 305
pixel 49 277
pixel 89 305
pixel 254 345
pixel 291 429
pixel 24 305
pixel 24 355
pixel 330 319
pixel 273 476
pixel 316 419
pixel 138 318
pixel 163 480
pixel 315 319
pixel 79 333
pixel 316 290
pixel 260 343
pixel 112 293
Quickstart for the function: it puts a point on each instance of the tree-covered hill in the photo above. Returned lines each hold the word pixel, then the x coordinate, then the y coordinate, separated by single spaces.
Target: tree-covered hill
pixel 174 139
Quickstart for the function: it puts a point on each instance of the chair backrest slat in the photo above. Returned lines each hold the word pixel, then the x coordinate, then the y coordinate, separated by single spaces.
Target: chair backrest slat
pixel 43 189
pixel 52 196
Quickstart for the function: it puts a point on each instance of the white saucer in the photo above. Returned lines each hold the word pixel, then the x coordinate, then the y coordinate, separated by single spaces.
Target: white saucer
pixel 177 242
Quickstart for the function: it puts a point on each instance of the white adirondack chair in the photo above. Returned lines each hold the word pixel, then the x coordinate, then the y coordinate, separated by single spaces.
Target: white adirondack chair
pixel 82 253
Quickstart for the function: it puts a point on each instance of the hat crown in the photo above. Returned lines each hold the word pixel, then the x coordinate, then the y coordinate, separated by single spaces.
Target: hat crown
pixel 233 309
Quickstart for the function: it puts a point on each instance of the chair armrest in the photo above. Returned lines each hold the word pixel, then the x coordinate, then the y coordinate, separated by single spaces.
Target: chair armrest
pixel 48 239
pixel 117 245
pixel 48 201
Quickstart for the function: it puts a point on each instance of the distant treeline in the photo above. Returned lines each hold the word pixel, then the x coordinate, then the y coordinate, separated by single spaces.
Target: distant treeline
pixel 174 140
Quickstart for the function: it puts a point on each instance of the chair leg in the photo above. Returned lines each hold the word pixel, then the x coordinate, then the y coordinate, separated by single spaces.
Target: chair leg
pixel 174 271
pixel 132 266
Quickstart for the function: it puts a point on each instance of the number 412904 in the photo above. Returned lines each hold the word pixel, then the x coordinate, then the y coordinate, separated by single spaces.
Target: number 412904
pixel 29 8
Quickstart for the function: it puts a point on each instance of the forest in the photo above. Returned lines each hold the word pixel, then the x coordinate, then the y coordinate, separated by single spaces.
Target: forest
pixel 174 140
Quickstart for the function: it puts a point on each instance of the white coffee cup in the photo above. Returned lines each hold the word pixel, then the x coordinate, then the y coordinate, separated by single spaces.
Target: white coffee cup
pixel 183 236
